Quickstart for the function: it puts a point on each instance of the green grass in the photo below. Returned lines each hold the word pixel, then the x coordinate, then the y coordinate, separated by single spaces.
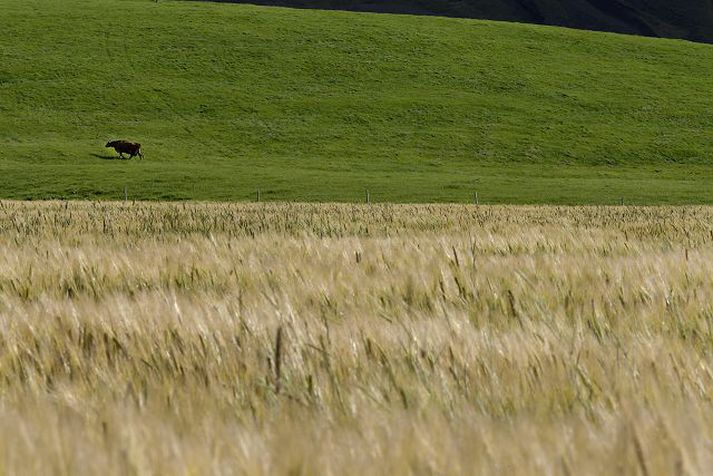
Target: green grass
pixel 311 105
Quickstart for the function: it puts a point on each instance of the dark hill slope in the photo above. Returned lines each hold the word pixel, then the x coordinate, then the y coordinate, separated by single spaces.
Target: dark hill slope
pixel 688 19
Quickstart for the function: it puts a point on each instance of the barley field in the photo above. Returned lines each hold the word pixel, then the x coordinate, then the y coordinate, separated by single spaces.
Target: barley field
pixel 148 338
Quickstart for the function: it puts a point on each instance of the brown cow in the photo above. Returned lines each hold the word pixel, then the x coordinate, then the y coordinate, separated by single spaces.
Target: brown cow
pixel 125 147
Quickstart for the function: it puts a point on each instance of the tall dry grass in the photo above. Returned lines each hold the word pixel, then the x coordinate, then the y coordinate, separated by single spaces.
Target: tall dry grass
pixel 342 339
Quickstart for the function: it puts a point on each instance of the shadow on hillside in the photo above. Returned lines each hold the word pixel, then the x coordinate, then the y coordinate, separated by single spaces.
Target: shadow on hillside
pixel 691 19
pixel 105 157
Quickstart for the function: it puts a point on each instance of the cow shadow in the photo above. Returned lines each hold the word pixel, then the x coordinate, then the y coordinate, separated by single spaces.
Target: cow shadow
pixel 105 157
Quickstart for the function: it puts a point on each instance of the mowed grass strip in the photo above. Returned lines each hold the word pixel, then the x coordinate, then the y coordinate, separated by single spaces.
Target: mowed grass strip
pixel 143 338
pixel 320 106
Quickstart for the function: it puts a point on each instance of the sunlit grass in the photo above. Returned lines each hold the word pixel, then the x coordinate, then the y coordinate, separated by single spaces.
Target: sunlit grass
pixel 318 106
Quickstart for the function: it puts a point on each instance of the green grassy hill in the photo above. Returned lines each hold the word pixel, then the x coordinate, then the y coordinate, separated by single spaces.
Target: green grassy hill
pixel 313 105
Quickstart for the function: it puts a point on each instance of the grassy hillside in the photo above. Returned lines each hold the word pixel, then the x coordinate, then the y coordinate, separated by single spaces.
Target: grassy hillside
pixel 312 105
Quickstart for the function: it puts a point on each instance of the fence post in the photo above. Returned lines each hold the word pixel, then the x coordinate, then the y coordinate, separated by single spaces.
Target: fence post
pixel 475 198
pixel 257 194
pixel 126 193
pixel 368 196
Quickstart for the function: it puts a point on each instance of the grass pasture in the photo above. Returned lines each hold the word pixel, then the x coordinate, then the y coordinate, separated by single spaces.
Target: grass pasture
pixel 319 106
pixel 340 339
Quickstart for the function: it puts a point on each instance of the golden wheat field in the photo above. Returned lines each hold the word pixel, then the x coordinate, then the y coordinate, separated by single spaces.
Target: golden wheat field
pixel 355 339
